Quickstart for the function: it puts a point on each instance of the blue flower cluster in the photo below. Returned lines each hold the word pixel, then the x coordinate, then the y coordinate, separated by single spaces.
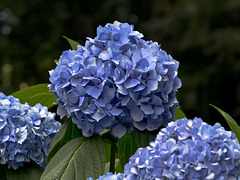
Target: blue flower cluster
pixel 116 81
pixel 188 149
pixel 25 132
pixel 110 176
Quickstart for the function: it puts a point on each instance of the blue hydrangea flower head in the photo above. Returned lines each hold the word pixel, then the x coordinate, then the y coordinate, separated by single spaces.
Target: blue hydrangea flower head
pixel 188 149
pixel 25 132
pixel 116 81
pixel 110 176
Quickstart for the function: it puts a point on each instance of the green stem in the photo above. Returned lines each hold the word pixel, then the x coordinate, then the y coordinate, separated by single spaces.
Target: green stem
pixel 112 157
pixel 108 138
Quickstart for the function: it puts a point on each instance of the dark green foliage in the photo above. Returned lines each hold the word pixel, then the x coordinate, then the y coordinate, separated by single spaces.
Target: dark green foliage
pixel 231 122
pixel 30 171
pixel 80 158
pixel 36 94
pixel 67 132
pixel 72 43
pixel 143 138
pixel 179 114
pixel 202 35
pixel 127 146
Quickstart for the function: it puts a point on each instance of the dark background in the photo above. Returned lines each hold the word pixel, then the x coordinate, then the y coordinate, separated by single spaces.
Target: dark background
pixel 204 36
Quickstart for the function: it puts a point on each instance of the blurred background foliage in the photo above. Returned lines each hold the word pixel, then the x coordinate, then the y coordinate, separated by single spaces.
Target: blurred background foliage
pixel 204 36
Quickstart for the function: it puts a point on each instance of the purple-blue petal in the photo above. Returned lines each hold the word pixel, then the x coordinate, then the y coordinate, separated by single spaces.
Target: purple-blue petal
pixel 115 111
pixel 93 91
pixel 131 82
pixel 137 114
pixel 147 108
pixel 119 131
pixel 116 71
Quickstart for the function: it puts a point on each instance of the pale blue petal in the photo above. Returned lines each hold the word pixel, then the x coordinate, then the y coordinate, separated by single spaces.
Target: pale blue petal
pixel 158 110
pixel 19 157
pixel 98 115
pixel 135 96
pixel 131 82
pixel 108 92
pixel 115 111
pixel 152 85
pixel 147 108
pixel 122 90
pixel 156 100
pixel 73 97
pixel 93 91
pixel 95 49
pixel 105 55
pixel 81 99
pixel 137 114
pixel 119 131
pixel 2 123
pixel 106 121
pixel 142 64
pixel 125 100
pixel 139 87
pixel 144 99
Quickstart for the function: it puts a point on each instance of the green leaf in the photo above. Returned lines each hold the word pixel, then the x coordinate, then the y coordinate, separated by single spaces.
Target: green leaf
pixel 109 140
pixel 30 171
pixel 231 122
pixel 127 146
pixel 107 150
pixel 72 43
pixel 119 168
pixel 67 132
pixel 78 159
pixel 3 171
pixel 36 94
pixel 179 113
pixel 143 138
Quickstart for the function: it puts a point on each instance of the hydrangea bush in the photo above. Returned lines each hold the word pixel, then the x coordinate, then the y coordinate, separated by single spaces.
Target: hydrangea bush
pixel 117 91
pixel 110 176
pixel 116 81
pixel 25 132
pixel 188 149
